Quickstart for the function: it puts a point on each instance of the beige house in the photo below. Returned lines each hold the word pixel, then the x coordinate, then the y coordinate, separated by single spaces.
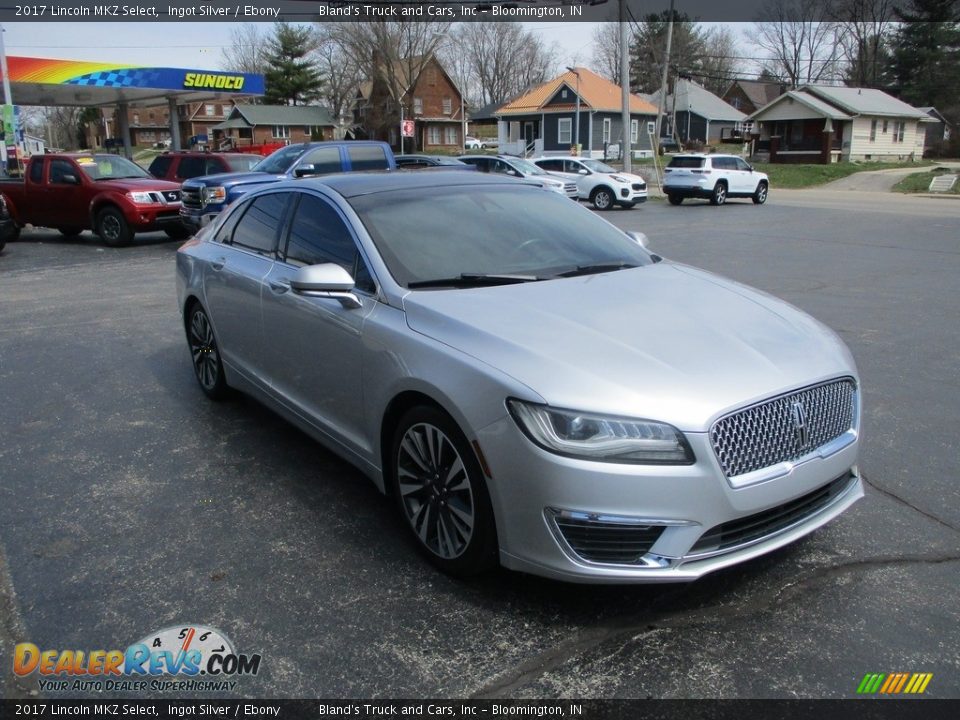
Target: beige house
pixel 824 124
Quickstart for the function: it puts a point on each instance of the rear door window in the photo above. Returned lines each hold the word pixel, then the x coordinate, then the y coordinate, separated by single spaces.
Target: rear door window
pixel 191 167
pixel 259 227
pixel 160 166
pixel 552 165
pixel 686 162
pixel 367 157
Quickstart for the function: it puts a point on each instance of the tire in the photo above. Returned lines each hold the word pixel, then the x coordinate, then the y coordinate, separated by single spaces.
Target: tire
pixel 674 199
pixel 112 227
pixel 719 194
pixel 205 354
pixel 11 235
pixel 602 198
pixel 177 232
pixel 441 493
pixel 760 196
pixel 70 232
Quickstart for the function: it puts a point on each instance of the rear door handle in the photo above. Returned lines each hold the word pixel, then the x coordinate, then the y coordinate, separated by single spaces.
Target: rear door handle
pixel 218 263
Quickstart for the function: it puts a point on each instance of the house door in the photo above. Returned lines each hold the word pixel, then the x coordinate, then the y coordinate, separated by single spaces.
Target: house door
pixel 528 135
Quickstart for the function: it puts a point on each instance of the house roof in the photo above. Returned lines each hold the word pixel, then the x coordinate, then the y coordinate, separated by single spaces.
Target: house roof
pixel 935 116
pixel 487 112
pixel 282 115
pixel 696 99
pixel 863 101
pixel 596 93
pixel 759 92
pixel 806 99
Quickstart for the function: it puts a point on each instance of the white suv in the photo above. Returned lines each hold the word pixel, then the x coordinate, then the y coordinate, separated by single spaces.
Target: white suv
pixel 713 177
pixel 598 182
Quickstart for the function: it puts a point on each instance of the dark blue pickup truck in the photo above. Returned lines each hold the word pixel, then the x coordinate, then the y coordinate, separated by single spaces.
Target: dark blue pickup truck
pixel 204 197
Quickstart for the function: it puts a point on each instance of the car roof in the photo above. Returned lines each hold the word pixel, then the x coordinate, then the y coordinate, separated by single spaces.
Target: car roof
pixel 366 183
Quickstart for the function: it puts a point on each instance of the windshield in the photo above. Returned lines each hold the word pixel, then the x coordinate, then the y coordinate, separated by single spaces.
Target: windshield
pixel 242 163
pixel 527 168
pixel 280 161
pixel 497 230
pixel 598 166
pixel 110 167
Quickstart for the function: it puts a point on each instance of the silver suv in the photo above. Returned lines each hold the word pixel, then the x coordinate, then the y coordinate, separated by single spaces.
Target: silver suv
pixel 713 177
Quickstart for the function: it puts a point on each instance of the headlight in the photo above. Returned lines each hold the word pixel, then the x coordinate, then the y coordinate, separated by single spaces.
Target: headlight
pixel 619 179
pixel 557 188
pixel 212 195
pixel 141 198
pixel 601 437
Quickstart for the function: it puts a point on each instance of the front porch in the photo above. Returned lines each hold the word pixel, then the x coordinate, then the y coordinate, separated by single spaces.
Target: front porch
pixel 809 141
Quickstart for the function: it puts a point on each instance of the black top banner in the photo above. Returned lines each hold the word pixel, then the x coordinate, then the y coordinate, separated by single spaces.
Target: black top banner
pixel 302 11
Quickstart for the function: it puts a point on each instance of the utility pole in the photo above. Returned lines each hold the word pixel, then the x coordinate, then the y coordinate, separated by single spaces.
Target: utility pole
pixel 626 150
pixel 663 84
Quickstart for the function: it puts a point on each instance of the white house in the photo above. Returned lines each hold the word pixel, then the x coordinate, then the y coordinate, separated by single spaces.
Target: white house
pixel 824 124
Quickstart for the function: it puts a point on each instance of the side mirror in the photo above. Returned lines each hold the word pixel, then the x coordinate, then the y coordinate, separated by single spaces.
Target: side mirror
pixel 305 170
pixel 583 171
pixel 326 281
pixel 69 179
pixel 639 238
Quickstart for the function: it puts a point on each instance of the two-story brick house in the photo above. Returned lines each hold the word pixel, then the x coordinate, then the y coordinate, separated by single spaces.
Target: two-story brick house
pixel 430 99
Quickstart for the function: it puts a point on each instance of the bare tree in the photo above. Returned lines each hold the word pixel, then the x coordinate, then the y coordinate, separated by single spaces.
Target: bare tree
pixel 63 127
pixel 720 63
pixel 865 27
pixel 247 52
pixel 800 39
pixel 606 51
pixel 341 76
pixel 505 59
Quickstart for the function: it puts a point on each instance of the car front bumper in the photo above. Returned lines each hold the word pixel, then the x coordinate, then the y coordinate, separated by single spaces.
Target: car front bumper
pixel 145 218
pixel 686 520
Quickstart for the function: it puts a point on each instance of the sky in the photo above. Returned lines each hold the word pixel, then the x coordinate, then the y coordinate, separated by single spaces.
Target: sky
pixel 199 45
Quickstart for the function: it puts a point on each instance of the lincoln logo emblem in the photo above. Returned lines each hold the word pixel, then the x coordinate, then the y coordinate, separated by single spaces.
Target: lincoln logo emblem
pixel 800 424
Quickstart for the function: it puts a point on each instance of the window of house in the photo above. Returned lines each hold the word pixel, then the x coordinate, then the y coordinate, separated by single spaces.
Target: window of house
pixel 418 106
pixel 634 131
pixel 281 131
pixel 209 110
pixel 433 135
pixel 735 101
pixel 898 129
pixel 447 106
pixel 606 130
pixel 563 93
pixel 873 130
pixel 884 131
pixel 450 136
pixel 564 131
pixel 136 118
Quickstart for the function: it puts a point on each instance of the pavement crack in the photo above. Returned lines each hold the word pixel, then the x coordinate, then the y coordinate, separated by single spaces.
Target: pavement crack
pixel 902 501
pixel 629 630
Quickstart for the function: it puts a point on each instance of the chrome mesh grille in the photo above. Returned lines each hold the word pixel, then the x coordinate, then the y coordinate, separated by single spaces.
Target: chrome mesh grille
pixel 191 197
pixel 783 429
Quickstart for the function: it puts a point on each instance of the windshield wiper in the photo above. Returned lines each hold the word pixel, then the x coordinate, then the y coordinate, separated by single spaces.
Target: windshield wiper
pixel 474 280
pixel 596 268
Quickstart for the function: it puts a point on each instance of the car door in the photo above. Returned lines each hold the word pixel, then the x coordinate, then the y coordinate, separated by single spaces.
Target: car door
pixel 234 279
pixel 584 176
pixel 315 344
pixel 63 193
pixel 749 178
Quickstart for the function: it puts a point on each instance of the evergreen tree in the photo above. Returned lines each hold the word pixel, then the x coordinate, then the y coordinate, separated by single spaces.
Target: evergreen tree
pixel 648 49
pixel 291 77
pixel 925 65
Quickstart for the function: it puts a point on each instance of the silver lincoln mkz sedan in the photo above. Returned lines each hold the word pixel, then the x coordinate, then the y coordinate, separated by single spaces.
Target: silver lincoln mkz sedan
pixel 527 381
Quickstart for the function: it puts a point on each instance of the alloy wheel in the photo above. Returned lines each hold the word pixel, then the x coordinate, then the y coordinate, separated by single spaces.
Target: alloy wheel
pixel 435 490
pixel 203 348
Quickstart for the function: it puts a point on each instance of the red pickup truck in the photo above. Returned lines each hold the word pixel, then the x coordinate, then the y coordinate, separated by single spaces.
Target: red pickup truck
pixel 108 194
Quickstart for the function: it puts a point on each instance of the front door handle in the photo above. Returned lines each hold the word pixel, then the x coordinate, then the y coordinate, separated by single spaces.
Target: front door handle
pixel 218 263
pixel 279 286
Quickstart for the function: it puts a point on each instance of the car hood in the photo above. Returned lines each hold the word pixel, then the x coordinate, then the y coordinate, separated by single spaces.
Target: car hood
pixel 665 342
pixel 235 179
pixel 136 185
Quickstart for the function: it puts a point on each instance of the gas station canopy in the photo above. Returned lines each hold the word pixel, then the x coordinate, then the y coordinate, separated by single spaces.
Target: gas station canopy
pixel 45 81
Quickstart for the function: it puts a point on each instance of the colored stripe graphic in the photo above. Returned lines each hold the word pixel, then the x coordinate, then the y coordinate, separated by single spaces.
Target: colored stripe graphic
pixel 894 683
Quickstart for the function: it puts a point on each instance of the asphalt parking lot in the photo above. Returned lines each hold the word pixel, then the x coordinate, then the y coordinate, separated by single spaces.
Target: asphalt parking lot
pixel 129 503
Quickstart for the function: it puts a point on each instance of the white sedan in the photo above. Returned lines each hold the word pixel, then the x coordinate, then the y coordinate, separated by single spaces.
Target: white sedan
pixel 597 182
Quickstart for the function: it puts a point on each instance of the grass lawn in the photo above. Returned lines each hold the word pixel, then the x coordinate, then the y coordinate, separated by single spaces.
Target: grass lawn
pixel 920 182
pixel 801 176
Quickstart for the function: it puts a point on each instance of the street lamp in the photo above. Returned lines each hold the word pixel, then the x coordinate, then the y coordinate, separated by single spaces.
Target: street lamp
pixel 576 131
